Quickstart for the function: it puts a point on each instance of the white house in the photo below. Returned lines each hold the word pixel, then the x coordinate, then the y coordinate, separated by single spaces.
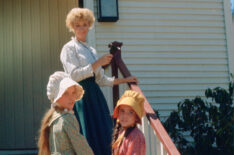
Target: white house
pixel 177 49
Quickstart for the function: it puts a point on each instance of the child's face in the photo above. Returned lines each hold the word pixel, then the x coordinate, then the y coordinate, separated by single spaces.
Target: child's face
pixel 127 116
pixel 68 99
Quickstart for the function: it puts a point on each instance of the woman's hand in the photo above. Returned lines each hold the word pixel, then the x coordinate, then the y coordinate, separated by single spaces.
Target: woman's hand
pixel 104 60
pixel 126 80
pixel 131 79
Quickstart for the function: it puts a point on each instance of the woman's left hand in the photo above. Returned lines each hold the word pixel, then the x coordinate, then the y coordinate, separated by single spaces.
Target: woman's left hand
pixel 131 79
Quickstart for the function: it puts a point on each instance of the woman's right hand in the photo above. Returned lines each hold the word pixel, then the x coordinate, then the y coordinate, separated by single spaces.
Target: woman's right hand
pixel 105 59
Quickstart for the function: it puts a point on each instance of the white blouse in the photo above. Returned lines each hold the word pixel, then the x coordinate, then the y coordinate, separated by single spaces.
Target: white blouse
pixel 77 59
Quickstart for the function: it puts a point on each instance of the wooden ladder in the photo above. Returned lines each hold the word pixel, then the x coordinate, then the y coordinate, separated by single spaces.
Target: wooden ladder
pixel 161 144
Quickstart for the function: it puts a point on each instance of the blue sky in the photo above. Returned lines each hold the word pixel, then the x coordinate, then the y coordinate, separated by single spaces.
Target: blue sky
pixel 232 1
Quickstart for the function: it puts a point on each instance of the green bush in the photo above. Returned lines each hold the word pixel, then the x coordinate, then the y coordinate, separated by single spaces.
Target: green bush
pixel 209 123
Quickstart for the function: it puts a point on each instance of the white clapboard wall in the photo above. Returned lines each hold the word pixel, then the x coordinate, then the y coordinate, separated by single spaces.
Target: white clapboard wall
pixel 176 48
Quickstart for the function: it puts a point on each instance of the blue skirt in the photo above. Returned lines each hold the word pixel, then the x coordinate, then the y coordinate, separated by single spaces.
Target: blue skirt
pixel 94 117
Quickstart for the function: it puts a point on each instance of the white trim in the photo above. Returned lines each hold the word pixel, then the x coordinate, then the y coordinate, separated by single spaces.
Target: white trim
pixel 91 36
pixel 229 34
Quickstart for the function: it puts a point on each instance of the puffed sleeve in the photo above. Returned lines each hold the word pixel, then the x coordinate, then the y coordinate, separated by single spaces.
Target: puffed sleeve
pixel 79 143
pixel 102 79
pixel 72 66
pixel 136 145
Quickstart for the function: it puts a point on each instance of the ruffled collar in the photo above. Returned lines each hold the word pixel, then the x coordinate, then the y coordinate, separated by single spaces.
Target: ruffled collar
pixel 81 42
pixel 56 115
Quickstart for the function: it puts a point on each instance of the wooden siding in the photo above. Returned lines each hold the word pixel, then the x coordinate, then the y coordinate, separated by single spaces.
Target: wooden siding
pixel 32 33
pixel 233 23
pixel 177 49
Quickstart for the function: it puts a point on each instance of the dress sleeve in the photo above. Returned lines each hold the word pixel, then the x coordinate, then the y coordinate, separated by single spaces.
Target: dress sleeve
pixel 79 143
pixel 102 79
pixel 73 67
pixel 136 145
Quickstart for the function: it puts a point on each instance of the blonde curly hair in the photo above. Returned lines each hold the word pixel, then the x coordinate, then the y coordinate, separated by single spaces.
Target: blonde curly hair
pixel 79 14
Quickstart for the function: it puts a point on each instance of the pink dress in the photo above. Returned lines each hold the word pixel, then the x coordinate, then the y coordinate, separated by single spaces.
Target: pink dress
pixel 133 144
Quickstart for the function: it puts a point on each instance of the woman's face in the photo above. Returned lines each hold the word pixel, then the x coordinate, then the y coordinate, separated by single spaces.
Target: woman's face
pixel 127 116
pixel 81 29
pixel 68 99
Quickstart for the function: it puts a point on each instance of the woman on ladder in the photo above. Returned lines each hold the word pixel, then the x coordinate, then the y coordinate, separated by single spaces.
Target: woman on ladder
pixel 80 61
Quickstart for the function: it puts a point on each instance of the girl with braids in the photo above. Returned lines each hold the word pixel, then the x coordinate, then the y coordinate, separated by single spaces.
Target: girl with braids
pixel 59 133
pixel 127 138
